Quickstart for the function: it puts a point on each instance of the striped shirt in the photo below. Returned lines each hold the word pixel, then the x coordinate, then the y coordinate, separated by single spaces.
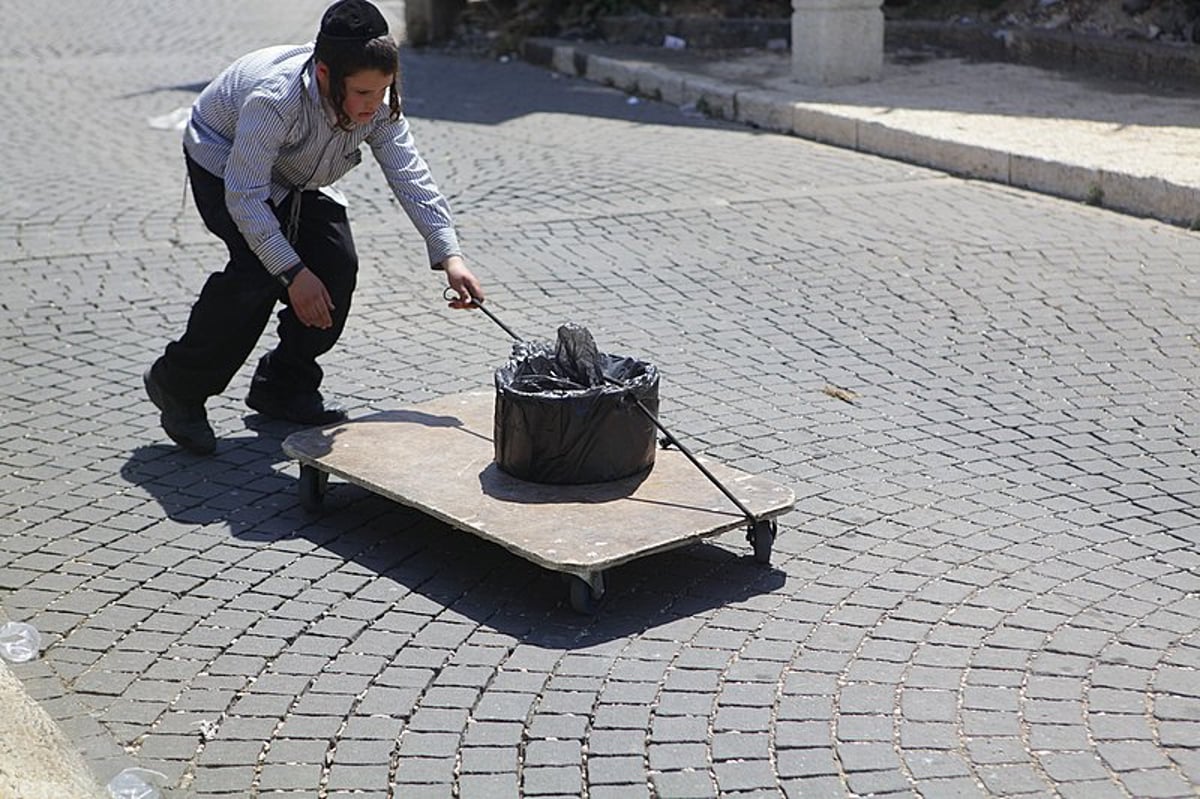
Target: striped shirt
pixel 262 126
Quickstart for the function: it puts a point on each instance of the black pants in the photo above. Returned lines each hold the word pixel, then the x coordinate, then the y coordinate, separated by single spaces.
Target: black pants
pixel 235 304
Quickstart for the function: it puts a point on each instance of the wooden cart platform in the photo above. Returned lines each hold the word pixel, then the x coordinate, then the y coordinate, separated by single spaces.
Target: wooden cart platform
pixel 438 457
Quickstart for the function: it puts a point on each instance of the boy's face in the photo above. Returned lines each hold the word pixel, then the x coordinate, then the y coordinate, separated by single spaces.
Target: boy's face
pixel 365 92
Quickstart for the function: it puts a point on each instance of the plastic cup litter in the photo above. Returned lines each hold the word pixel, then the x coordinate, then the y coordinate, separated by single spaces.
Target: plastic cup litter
pixel 135 783
pixel 19 641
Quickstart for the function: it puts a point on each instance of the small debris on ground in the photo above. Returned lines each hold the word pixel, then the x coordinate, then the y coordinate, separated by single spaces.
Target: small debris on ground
pixel 837 392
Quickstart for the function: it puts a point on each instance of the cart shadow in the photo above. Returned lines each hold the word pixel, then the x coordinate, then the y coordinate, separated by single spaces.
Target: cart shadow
pixel 471 577
pixel 497 483
pixel 318 441
pixel 428 564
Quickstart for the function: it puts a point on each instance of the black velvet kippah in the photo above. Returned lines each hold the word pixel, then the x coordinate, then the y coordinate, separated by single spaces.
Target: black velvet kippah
pixel 352 20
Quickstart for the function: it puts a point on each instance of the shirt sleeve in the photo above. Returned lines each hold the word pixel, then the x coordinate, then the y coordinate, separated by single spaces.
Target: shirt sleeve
pixel 256 143
pixel 411 181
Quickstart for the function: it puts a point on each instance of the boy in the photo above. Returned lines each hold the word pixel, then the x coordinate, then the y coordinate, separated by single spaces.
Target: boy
pixel 265 141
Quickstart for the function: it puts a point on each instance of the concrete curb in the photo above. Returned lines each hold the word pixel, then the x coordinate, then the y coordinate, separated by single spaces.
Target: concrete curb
pixel 1139 195
pixel 37 761
pixel 1147 62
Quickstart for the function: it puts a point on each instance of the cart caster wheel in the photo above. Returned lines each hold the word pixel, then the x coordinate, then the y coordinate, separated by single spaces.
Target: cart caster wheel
pixel 312 486
pixel 584 598
pixel 761 536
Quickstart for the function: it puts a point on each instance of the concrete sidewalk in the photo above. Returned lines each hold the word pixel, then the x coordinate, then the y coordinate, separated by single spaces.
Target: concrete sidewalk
pixel 37 759
pixel 1123 146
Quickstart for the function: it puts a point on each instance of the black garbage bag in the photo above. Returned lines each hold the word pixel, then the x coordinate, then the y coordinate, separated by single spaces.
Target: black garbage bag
pixel 565 412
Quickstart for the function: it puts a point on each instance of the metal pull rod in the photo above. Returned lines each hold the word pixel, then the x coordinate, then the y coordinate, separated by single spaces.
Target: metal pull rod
pixel 712 478
pixel 479 304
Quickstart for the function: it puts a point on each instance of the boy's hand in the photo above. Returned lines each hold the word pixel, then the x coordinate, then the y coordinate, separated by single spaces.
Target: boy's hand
pixel 462 281
pixel 310 300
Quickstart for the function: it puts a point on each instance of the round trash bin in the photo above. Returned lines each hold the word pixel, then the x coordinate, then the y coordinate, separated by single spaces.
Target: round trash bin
pixel 547 430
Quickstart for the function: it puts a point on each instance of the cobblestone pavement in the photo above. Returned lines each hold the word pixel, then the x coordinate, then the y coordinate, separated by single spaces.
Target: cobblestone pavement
pixel 990 584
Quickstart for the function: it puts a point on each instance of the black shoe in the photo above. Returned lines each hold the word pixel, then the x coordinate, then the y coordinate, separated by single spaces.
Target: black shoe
pixel 306 409
pixel 186 425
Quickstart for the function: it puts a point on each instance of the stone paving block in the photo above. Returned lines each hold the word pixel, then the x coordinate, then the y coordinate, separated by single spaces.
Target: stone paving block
pixel 690 658
pixel 684 784
pixel 251 728
pixel 556 780
pixel 437 720
pixel 475 677
pixel 1159 782
pixel 618 770
pixel 813 786
pixel 928 705
pixel 517 682
pixel 1112 700
pixel 450 697
pixel 876 782
pixel 223 779
pixel 685 704
pixel 950 788
pixel 552 753
pixel 618 716
pixel 1132 756
pixel 300 727
pixel 372 728
pixel 624 694
pixel 559 726
pixel 865 698
pixel 1188 762
pixel 877 671
pixel 1097 788
pixel 374 777
pixel 741 746
pixel 107 683
pixel 744 775
pixel 487 759
pixel 719 638
pixel 887 651
pixel 169 747
pixel 675 756
pixel 865 728
pixel 227 752
pixel 504 707
pixel 428 745
pixel 282 750
pixel 677 729
pixel 290 776
pixel 929 766
pixel 619 791
pixel 501 786
pixel 312 704
pixel 1058 737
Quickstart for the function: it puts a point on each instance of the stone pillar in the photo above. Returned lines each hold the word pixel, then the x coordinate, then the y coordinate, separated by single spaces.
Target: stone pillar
pixel 428 21
pixel 836 42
